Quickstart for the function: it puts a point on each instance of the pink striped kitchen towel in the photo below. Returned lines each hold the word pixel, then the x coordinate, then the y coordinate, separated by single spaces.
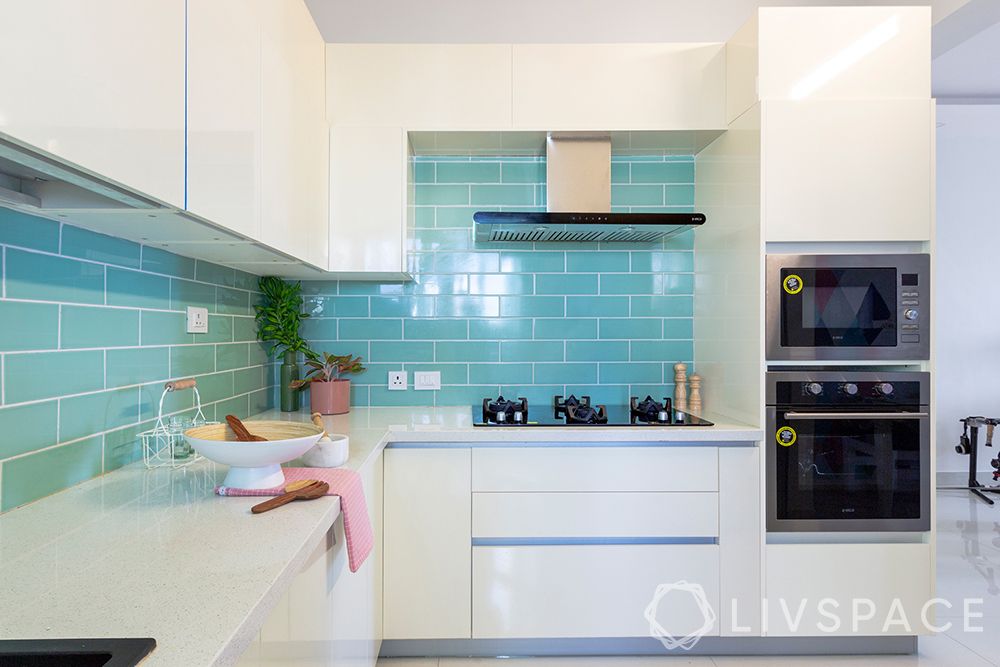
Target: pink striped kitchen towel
pixel 343 483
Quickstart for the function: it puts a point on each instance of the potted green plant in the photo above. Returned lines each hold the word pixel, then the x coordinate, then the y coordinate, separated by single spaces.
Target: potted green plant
pixel 279 317
pixel 329 391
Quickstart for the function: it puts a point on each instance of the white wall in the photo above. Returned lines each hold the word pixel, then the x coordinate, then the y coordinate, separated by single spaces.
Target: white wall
pixel 967 276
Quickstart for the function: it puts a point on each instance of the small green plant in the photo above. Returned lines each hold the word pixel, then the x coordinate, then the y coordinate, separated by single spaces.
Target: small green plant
pixel 329 367
pixel 280 316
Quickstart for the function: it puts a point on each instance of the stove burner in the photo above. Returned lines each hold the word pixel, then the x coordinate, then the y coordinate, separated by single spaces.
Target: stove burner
pixel 502 411
pixel 584 414
pixel 561 407
pixel 651 412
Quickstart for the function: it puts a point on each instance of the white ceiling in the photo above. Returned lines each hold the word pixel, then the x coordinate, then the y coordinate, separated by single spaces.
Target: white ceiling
pixel 560 21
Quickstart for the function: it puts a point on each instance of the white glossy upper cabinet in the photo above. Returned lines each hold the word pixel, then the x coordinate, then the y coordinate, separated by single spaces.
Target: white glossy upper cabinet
pixel 420 86
pixel 224 114
pixel 101 85
pixel 619 86
pixel 847 170
pixel 294 141
pixel 368 201
pixel 829 53
pixel 844 53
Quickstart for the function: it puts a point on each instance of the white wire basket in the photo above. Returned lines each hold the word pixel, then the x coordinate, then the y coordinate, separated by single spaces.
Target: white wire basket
pixel 164 445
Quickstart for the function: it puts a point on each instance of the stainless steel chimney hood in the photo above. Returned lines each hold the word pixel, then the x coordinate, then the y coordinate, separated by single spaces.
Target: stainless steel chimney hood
pixel 578 177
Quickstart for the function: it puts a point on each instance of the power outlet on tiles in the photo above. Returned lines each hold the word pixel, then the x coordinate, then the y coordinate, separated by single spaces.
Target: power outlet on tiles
pixel 426 380
pixel 197 320
pixel 397 380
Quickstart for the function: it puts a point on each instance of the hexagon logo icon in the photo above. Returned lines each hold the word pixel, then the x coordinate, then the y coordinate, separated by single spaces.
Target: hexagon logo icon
pixel 665 637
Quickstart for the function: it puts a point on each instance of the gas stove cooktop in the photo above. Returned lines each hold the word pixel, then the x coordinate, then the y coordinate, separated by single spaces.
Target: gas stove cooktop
pixel 573 411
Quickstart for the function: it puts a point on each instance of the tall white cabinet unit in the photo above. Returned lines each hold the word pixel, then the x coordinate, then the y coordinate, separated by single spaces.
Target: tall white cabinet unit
pixel 99 85
pixel 829 142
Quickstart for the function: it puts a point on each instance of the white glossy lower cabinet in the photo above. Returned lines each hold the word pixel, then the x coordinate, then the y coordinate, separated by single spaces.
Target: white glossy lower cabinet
pixel 428 543
pixel 809 586
pixel 330 616
pixel 587 591
pixel 553 515
pixel 596 469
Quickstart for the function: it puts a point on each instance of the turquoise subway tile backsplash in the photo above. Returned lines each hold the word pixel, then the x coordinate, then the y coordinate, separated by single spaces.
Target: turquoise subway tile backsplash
pixel 525 320
pixel 93 327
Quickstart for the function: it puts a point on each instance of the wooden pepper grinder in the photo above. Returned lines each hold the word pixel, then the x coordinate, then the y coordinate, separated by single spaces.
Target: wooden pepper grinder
pixel 680 387
pixel 695 402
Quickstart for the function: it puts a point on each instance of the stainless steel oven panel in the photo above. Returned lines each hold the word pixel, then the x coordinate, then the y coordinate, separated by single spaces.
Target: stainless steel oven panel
pixel 848 525
pixel 909 263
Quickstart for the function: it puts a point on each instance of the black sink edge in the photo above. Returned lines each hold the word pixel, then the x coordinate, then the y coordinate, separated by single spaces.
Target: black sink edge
pixel 125 652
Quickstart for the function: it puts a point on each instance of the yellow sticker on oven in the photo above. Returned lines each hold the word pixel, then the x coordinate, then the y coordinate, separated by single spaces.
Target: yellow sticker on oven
pixel 786 436
pixel 792 284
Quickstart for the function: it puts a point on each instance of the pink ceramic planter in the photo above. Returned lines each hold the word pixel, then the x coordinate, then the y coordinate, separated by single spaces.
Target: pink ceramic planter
pixel 330 398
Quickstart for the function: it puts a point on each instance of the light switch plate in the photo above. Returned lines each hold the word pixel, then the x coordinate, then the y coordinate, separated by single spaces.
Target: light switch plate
pixel 197 320
pixel 426 380
pixel 397 380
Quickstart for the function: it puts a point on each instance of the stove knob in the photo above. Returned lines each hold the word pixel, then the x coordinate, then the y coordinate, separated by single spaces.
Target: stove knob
pixel 884 389
pixel 911 313
pixel 814 388
pixel 849 388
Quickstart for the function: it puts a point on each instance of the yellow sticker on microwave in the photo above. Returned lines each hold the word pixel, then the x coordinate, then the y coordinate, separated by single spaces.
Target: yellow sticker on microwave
pixel 786 436
pixel 792 284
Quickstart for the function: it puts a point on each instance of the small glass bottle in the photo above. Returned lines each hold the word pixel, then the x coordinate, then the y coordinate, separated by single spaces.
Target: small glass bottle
pixel 179 448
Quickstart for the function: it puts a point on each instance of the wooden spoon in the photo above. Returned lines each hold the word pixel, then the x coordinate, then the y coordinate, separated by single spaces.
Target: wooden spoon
pixel 296 491
pixel 242 434
pixel 317 420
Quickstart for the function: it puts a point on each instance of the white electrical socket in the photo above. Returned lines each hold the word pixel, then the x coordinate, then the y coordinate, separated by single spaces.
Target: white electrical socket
pixel 197 320
pixel 397 380
pixel 426 380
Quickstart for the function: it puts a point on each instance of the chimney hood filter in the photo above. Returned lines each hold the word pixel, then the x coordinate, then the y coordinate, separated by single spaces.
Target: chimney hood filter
pixel 578 173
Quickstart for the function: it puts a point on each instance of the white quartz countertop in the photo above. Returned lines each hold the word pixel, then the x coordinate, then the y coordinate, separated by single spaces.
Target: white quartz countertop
pixel 154 553
pixel 455 425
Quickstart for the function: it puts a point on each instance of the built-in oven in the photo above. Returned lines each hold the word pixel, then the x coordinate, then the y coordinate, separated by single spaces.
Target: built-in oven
pixel 848 307
pixel 848 451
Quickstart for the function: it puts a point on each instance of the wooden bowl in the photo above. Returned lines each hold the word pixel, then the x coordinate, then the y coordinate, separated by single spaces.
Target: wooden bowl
pixel 254 465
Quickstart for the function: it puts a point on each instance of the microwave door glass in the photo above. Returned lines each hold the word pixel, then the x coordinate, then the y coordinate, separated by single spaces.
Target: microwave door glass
pixel 842 307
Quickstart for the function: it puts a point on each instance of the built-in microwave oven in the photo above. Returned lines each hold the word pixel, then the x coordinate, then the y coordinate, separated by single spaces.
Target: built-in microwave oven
pixel 848 307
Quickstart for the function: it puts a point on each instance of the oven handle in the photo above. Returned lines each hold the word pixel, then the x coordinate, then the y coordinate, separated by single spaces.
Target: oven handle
pixel 855 415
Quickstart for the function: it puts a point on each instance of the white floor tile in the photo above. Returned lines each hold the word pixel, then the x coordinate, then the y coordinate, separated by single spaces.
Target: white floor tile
pixel 407 662
pixel 938 651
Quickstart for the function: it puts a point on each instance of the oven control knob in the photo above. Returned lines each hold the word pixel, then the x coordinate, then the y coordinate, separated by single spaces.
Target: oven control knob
pixel 884 389
pixel 814 388
pixel 911 313
pixel 849 388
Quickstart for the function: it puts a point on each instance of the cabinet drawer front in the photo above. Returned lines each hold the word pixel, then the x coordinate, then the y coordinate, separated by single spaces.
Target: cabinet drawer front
pixel 596 469
pixel 800 576
pixel 588 591
pixel 555 515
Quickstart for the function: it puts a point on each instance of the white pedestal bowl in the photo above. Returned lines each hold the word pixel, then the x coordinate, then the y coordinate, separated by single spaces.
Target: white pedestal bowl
pixel 254 465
